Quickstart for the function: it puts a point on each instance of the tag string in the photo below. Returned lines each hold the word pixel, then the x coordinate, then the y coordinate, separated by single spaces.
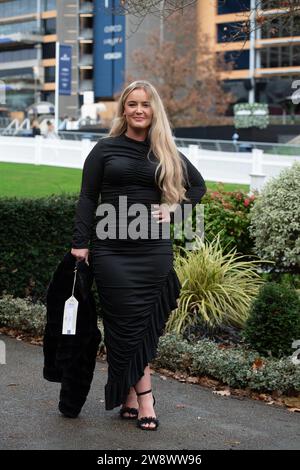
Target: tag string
pixel 75 275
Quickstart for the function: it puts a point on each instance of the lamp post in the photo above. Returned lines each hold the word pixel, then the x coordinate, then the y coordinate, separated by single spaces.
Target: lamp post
pixel 253 6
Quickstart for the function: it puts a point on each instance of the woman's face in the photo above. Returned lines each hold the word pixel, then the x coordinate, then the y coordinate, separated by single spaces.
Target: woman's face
pixel 138 110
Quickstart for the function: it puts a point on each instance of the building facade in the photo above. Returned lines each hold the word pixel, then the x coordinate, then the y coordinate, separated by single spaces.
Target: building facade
pixel 102 41
pixel 267 63
pixel 29 30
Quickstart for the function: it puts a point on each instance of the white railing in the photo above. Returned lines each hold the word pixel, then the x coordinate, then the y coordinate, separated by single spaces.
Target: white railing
pixel 253 168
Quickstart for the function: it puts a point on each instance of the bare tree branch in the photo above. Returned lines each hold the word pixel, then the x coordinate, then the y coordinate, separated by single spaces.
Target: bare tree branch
pixel 268 14
pixel 160 8
pixel 185 72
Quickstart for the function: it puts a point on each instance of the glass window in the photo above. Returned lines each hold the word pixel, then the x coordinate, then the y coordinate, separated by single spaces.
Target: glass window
pixel 239 89
pixel 296 55
pixel 272 4
pixel 274 57
pixel 49 26
pixel 229 32
pixel 23 27
pixel 17 7
pixel 49 74
pixel 49 5
pixel 48 50
pixel 48 96
pixel 21 54
pixel 285 56
pixel 281 26
pixel 24 7
pixel 19 100
pixel 232 6
pixel 17 73
pixel 239 58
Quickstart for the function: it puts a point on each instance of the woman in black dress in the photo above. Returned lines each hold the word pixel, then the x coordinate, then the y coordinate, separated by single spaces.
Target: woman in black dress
pixel 136 166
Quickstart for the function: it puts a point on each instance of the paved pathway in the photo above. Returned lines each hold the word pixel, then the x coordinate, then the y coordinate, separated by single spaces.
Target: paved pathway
pixel 30 419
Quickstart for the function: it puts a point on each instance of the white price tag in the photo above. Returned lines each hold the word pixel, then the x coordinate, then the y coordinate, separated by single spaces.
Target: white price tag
pixel 70 316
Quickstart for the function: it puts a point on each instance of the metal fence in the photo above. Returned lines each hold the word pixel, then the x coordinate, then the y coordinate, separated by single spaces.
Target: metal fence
pixel 207 144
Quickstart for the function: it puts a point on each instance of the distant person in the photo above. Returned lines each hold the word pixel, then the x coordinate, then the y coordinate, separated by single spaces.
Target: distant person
pixel 72 124
pixel 63 123
pixel 50 132
pixel 35 128
pixel 235 137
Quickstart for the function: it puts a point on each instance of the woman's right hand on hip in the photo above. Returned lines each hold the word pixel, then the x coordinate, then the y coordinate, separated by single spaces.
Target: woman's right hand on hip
pixel 80 254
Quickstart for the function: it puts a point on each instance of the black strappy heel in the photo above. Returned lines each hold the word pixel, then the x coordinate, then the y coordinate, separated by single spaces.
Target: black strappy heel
pixel 132 411
pixel 147 419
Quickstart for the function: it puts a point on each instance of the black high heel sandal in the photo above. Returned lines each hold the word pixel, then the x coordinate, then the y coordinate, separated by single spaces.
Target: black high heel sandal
pixel 132 411
pixel 147 419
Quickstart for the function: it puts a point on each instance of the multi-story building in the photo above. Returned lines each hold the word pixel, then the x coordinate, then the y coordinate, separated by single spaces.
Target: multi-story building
pixel 28 32
pixel 266 64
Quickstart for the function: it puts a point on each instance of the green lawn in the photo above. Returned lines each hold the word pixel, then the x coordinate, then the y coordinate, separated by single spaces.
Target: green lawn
pixel 23 180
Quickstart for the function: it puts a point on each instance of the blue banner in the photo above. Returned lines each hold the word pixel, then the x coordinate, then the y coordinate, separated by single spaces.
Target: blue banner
pixel 109 49
pixel 65 70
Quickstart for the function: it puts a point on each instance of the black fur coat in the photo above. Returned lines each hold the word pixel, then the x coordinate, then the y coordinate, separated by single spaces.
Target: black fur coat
pixel 70 359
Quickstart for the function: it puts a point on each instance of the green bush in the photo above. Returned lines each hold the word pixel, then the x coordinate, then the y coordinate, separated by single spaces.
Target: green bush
pixel 274 320
pixel 23 315
pixel 235 367
pixel 227 213
pixel 34 236
pixel 217 288
pixel 275 221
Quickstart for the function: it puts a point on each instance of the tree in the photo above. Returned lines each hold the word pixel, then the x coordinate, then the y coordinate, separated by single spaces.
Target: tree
pixel 185 72
pixel 165 8
pixel 271 15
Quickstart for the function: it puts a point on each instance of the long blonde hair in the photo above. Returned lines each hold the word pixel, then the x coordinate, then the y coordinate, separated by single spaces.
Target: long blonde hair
pixel 171 179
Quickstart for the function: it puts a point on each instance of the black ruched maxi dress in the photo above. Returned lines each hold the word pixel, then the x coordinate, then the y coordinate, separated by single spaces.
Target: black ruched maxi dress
pixel 136 281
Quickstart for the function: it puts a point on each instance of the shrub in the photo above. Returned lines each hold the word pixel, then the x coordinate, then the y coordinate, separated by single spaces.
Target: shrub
pixel 28 316
pixel 227 213
pixel 275 220
pixel 22 314
pixel 34 236
pixel 217 288
pixel 236 367
pixel 274 320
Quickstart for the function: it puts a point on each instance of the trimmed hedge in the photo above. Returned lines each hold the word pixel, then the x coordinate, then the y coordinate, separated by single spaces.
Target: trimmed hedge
pixel 34 236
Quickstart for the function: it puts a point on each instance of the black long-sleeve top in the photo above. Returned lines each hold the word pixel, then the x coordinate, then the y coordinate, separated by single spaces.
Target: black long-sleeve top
pixel 118 166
